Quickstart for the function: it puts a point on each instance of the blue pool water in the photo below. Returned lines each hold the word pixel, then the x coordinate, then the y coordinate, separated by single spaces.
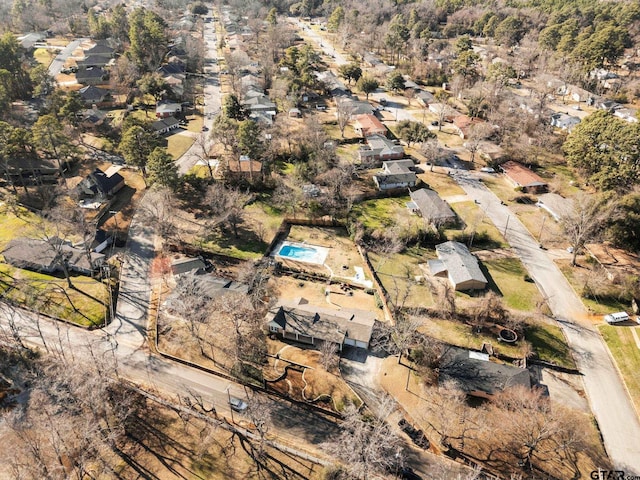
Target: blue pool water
pixel 298 253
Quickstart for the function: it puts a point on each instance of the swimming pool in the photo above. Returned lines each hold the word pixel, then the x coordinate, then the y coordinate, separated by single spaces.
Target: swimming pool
pixel 301 252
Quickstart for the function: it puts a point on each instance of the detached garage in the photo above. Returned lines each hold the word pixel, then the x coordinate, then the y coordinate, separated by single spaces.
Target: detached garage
pixel 312 325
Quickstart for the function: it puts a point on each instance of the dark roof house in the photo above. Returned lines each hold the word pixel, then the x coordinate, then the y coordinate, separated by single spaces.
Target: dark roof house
pixel 475 374
pixel 459 265
pixel 91 76
pixel 49 256
pixel 93 94
pixel 313 325
pixel 99 184
pixel 432 208
pixel 165 125
pixel 396 174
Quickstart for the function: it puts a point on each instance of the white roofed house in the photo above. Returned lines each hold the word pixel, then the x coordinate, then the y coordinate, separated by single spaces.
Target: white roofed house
pixel 564 121
pixel 459 265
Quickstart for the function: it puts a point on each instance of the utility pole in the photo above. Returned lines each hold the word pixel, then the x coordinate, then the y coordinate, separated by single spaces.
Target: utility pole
pixel 506 226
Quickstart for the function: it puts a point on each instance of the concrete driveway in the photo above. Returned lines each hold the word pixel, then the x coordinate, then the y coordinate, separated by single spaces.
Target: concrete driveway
pixel 607 395
pixel 56 65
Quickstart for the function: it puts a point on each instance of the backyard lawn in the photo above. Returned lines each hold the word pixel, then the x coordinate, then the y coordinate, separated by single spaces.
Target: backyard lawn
pixel 398 276
pixel 626 354
pixel 384 213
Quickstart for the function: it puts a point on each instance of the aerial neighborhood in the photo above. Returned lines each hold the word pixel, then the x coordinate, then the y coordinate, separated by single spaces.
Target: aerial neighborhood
pixel 320 240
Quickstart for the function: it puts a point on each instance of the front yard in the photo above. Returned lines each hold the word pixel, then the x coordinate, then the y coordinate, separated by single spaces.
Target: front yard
pixel 624 348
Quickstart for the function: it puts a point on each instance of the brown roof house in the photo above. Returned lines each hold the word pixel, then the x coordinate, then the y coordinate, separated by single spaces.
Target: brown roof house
pixel 367 125
pixel 396 174
pixel 476 375
pixel 313 325
pixel 523 178
pixel 431 207
pixel 459 265
pixel 463 123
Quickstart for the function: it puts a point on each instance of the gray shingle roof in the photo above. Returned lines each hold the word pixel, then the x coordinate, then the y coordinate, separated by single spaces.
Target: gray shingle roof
pixel 473 374
pixel 431 206
pixel 461 264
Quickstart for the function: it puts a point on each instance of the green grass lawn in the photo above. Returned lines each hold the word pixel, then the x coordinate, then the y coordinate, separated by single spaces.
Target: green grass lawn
pixel 381 213
pixel 627 356
pixel 12 226
pixel 85 304
pixel 486 234
pixel 43 56
pixel 178 144
pixel 508 280
pixel 549 343
pixel 398 273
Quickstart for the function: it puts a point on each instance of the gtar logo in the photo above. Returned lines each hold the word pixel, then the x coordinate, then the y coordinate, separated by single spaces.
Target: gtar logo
pixel 607 475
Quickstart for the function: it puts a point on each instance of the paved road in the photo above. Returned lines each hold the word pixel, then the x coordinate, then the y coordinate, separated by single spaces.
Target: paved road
pixel 212 102
pixel 607 395
pixel 58 62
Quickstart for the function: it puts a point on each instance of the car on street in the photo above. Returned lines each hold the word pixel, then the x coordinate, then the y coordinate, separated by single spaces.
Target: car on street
pixel 488 170
pixel 237 404
pixel 435 123
pixel 205 129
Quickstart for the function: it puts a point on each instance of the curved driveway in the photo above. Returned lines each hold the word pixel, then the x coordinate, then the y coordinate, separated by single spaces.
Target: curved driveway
pixel 612 407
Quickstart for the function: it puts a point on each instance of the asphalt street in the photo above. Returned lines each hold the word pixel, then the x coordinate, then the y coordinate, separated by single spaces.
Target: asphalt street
pixel 608 398
pixel 212 101
pixel 58 63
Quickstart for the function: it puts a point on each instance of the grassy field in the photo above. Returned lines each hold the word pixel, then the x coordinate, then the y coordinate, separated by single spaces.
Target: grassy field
pixel 476 221
pixel 624 350
pixel 398 273
pixel 84 304
pixel 383 212
pixel 508 275
pixel 43 56
pixel 178 144
pixel 549 343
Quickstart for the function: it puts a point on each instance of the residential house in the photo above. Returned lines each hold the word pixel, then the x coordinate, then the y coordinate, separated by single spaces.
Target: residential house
pixel 431 207
pixel 523 177
pixel 564 121
pixel 99 185
pixel 259 103
pixel 490 152
pixel 396 174
pixel 175 66
pixel 459 265
pixel 203 284
pixel 380 148
pixel 449 112
pixel 424 98
pixel 93 117
pixel 100 49
pixel 333 84
pixel 354 107
pixel 91 76
pixel 474 373
pixel 371 59
pixel 609 105
pixel 168 109
pixel 579 94
pixel 92 61
pixel 462 124
pixel 313 325
pixel 27 170
pixel 295 113
pixel 176 83
pixel 187 265
pixel 49 256
pixel 165 125
pixel 29 40
pixel 367 125
pixel 93 95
